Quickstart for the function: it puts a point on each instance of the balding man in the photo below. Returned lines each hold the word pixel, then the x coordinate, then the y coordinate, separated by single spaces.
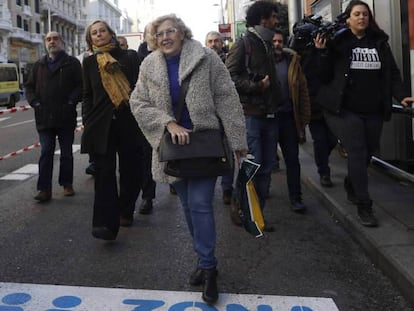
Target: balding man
pixel 53 89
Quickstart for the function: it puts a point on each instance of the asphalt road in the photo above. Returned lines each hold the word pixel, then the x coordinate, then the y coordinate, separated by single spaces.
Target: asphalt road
pixel 308 255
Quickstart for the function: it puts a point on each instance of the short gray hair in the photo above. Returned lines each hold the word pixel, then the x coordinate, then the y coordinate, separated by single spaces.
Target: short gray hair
pixel 216 33
pixel 178 23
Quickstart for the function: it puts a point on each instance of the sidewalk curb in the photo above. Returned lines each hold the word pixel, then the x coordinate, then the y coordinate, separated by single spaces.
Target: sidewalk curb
pixel 387 256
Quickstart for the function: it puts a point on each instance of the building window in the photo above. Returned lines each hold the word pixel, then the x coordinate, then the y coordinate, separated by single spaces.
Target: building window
pixel 19 21
pixel 19 2
pixel 37 27
pixel 37 6
pixel 26 2
pixel 25 25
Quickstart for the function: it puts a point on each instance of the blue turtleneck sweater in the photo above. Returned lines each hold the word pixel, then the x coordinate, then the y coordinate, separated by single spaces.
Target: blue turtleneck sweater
pixel 173 64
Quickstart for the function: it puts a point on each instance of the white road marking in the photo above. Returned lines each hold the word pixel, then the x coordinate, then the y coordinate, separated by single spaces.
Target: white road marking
pixel 30 170
pixel 75 148
pixel 22 173
pixel 57 297
pixel 12 176
pixel 19 123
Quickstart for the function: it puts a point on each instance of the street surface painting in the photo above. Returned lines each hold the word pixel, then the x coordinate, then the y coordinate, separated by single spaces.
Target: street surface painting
pixel 36 297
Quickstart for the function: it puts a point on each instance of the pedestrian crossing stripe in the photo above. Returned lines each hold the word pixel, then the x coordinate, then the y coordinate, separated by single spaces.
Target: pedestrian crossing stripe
pixel 22 173
pixel 37 297
pixel 30 170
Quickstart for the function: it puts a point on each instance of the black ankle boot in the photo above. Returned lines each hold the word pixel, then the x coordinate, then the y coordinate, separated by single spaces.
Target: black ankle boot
pixel 197 277
pixel 365 214
pixel 210 290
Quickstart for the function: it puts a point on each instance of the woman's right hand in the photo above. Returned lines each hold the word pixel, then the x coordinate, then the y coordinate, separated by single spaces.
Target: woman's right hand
pixel 319 41
pixel 179 135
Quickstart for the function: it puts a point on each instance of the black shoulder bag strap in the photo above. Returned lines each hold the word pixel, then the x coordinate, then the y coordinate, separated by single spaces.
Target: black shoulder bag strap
pixel 181 99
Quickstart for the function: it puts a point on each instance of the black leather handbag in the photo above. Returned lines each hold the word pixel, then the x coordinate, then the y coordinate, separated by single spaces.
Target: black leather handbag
pixel 208 153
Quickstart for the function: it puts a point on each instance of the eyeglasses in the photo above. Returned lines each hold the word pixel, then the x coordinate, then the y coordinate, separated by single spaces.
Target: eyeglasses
pixel 167 32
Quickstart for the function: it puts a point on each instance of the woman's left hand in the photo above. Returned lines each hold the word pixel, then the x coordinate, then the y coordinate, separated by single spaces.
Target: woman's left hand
pixel 407 100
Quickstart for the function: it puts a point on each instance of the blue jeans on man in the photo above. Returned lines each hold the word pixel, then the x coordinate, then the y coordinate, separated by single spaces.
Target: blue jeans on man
pixel 261 138
pixel 196 196
pixel 47 139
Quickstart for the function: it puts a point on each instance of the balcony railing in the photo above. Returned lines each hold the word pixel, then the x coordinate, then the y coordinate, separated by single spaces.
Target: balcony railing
pixel 5 24
pixel 27 10
pixel 19 33
pixel 36 38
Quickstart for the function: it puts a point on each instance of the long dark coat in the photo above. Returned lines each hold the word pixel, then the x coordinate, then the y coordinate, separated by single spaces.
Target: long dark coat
pixel 97 107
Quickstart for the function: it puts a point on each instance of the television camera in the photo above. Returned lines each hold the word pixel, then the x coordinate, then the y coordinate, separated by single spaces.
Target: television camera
pixel 310 26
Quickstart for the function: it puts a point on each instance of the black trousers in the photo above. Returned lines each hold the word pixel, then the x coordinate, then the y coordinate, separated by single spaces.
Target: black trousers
pixel 148 184
pixel 360 135
pixel 125 142
pixel 323 143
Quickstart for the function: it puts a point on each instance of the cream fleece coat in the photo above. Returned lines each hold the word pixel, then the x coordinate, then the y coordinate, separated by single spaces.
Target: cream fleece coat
pixel 211 95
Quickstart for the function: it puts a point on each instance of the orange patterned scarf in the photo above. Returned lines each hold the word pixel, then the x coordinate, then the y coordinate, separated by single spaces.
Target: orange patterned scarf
pixel 113 79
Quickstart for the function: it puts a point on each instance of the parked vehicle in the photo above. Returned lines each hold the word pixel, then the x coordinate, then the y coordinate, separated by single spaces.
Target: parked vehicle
pixel 9 85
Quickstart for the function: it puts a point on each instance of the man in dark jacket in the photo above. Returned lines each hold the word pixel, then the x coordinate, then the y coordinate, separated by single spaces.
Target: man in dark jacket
pixel 53 89
pixel 292 115
pixel 251 64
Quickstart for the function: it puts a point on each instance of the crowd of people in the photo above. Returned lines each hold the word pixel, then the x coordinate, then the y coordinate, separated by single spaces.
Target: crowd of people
pixel 259 94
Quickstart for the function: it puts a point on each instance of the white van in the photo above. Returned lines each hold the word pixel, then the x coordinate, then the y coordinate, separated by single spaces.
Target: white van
pixel 9 85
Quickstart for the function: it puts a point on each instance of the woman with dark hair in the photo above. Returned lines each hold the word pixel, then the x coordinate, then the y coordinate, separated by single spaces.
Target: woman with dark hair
pixel 110 130
pixel 359 79
pixel 211 98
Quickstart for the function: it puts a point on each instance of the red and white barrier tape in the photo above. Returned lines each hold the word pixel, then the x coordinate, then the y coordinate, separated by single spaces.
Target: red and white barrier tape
pixel 12 154
pixel 11 110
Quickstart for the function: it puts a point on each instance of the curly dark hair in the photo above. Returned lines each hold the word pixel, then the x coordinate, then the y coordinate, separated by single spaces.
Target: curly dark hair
pixel 258 10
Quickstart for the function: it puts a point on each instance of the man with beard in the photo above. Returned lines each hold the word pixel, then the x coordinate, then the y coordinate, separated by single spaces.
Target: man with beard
pixel 251 64
pixel 291 116
pixel 53 89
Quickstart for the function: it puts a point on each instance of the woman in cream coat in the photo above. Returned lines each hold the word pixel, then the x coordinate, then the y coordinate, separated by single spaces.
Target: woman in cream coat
pixel 211 97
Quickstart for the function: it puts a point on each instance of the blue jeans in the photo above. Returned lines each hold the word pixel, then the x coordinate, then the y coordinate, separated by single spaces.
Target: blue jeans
pixel 323 143
pixel 360 136
pixel 48 144
pixel 288 139
pixel 261 138
pixel 196 196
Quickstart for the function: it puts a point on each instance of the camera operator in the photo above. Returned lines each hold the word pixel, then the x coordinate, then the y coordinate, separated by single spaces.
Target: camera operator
pixel 324 141
pixel 359 78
